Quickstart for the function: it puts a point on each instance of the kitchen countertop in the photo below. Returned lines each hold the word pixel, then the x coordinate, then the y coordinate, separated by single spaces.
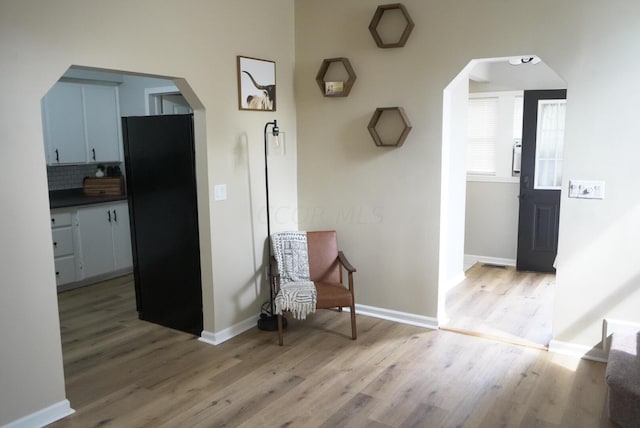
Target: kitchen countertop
pixel 75 197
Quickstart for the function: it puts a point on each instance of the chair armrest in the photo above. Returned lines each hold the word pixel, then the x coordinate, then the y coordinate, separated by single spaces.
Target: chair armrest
pixel 345 262
pixel 274 268
pixel 274 274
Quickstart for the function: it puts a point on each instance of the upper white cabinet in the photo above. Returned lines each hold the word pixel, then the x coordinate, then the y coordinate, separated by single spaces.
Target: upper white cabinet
pixel 102 122
pixel 63 124
pixel 81 123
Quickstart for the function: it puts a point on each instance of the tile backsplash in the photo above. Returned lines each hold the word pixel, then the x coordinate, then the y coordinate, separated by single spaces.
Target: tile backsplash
pixel 71 176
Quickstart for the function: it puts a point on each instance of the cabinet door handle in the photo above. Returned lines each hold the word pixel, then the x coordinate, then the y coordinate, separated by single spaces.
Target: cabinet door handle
pixel 55 244
pixel 109 215
pixel 57 156
pixel 57 273
pixel 94 153
pixel 115 217
pixel 53 220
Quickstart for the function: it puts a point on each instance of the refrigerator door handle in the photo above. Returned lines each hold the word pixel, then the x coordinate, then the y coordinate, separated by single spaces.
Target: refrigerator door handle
pixel 109 215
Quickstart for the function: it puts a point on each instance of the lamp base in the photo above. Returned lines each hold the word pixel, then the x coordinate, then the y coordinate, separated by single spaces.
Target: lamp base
pixel 270 322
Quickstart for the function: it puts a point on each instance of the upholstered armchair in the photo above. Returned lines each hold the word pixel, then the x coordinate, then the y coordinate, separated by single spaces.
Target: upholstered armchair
pixel 325 269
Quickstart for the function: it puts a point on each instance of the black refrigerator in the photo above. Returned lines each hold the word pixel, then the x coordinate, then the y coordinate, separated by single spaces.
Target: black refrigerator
pixel 161 190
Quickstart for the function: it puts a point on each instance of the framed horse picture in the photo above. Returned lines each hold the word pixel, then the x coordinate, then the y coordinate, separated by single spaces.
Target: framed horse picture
pixel 256 84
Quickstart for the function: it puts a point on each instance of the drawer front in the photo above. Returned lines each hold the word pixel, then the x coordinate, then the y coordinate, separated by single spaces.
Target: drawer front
pixel 60 219
pixel 65 270
pixel 62 242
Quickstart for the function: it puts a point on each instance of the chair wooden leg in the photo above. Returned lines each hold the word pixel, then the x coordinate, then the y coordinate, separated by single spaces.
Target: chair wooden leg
pixel 354 333
pixel 280 339
pixel 339 308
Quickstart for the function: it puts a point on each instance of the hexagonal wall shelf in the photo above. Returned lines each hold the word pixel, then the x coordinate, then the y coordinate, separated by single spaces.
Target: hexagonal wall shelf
pixel 395 141
pixel 373 26
pixel 339 88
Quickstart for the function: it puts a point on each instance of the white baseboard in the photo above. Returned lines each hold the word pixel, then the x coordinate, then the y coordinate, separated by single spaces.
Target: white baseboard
pixel 610 326
pixel 387 314
pixel 575 350
pixel 396 316
pixel 453 281
pixel 44 416
pixel 471 259
pixel 601 354
pixel 228 333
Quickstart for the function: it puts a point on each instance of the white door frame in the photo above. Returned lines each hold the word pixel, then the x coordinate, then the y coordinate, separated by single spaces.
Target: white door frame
pixel 161 90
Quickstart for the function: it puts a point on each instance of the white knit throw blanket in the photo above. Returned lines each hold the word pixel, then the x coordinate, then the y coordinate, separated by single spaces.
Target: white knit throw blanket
pixel 297 293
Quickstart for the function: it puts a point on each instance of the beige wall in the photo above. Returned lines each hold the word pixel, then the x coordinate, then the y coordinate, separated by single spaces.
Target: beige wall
pixel 38 41
pixel 491 221
pixel 385 203
pixel 588 43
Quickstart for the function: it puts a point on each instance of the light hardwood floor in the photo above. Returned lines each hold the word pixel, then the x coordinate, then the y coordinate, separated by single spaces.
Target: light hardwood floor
pixel 503 303
pixel 123 372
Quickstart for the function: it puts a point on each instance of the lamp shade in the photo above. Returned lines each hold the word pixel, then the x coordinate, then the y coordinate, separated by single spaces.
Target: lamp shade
pixel 276 143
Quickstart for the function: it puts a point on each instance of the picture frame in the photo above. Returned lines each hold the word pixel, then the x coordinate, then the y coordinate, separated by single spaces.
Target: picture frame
pixel 333 88
pixel 256 84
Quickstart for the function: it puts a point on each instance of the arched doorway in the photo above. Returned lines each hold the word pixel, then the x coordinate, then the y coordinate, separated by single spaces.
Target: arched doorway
pixel 479 214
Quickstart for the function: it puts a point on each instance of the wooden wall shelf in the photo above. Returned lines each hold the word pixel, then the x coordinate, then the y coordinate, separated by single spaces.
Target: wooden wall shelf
pixel 346 85
pixel 373 123
pixel 373 26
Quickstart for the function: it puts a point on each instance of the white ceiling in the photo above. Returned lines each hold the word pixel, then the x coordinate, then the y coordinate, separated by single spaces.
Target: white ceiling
pixel 502 76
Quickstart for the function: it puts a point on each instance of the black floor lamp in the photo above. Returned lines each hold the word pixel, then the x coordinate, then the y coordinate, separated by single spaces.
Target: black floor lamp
pixel 275 140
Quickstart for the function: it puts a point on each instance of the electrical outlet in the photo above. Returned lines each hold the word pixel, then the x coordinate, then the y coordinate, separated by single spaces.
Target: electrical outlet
pixel 586 189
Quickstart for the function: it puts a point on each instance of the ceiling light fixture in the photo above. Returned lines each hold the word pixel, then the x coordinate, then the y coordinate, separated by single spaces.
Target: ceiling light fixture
pixel 524 60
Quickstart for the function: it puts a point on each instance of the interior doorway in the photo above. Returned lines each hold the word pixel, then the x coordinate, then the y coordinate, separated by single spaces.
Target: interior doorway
pixel 92 242
pixel 165 100
pixel 479 225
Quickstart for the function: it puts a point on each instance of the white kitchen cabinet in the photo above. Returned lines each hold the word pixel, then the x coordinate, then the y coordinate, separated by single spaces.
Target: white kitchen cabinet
pixel 102 123
pixel 121 236
pixel 62 239
pixel 65 270
pixel 104 237
pixel 81 123
pixel 63 124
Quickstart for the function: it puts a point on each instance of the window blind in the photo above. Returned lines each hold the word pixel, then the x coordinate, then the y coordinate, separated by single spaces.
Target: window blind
pixel 482 135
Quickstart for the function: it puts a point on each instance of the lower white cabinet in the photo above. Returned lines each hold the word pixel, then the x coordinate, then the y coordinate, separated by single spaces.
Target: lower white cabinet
pixel 65 269
pixel 104 238
pixel 89 241
pixel 62 239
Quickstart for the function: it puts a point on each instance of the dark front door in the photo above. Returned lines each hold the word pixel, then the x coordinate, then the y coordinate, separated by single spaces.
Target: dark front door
pixel 540 179
pixel 161 188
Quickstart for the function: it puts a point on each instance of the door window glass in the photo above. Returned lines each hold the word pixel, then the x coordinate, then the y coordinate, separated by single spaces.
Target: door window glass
pixel 549 144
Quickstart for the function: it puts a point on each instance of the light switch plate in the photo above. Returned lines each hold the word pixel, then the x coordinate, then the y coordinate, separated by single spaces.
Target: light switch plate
pixel 220 192
pixel 586 189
